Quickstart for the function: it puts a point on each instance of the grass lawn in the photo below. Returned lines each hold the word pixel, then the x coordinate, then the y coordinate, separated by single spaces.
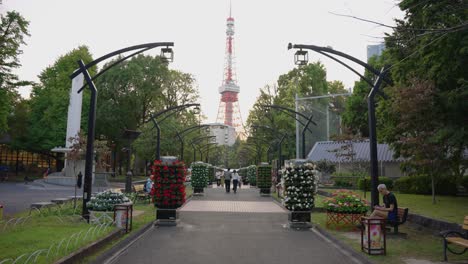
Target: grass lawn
pixel 448 208
pixel 44 231
pixel 420 244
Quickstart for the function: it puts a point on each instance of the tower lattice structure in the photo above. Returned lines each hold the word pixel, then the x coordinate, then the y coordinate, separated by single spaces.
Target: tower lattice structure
pixel 228 110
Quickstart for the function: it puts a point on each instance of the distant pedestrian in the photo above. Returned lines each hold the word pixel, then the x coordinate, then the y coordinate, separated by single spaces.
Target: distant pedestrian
pixel 46 173
pixel 227 180
pixel 235 181
pixel 218 178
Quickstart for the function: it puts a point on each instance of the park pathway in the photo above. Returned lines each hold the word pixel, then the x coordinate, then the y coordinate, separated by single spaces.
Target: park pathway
pixel 232 228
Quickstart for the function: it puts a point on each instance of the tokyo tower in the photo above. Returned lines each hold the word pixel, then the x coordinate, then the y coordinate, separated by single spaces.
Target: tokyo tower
pixel 228 111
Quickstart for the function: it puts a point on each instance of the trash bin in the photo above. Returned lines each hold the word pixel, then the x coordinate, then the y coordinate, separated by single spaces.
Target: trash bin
pixel 123 214
pixel 373 239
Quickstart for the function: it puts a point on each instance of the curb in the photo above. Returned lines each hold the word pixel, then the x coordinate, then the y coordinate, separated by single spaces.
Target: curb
pixel 110 255
pixel 341 246
pixel 77 256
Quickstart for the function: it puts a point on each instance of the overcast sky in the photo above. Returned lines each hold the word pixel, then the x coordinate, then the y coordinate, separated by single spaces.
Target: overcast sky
pixel 197 27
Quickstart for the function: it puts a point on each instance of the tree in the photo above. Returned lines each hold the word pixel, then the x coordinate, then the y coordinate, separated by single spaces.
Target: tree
pixel 355 116
pixel 416 135
pixel 429 54
pixel 13 29
pixel 50 99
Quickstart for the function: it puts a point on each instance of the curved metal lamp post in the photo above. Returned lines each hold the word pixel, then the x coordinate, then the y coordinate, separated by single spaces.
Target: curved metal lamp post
pixel 196 140
pixel 180 135
pixel 306 125
pixel 301 58
pixel 156 125
pixel 83 69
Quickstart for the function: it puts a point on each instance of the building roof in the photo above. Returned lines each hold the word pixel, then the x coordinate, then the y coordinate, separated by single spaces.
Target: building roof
pixel 340 151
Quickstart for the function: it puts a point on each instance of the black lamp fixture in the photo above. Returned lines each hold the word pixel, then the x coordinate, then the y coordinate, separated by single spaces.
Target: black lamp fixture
pixel 167 54
pixel 196 110
pixel 301 57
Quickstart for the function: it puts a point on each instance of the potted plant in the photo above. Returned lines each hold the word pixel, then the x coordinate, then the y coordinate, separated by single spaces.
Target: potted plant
pixel 168 190
pixel 345 207
pixel 252 175
pixel 101 206
pixel 264 179
pixel 300 188
pixel 199 177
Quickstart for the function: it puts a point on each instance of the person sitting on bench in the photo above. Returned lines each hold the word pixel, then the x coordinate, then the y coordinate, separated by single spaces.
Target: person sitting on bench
pixel 390 210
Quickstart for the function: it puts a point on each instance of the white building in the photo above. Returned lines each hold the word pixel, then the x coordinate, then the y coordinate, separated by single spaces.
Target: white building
pixel 225 135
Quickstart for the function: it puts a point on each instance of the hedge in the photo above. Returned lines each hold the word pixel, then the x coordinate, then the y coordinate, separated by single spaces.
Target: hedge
pixel 387 181
pixel 464 182
pixel 421 184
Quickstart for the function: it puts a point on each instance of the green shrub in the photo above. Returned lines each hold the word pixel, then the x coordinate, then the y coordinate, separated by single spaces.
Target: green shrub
pixel 387 181
pixel 464 182
pixel 346 179
pixel 421 184
pixel 252 174
pixel 342 182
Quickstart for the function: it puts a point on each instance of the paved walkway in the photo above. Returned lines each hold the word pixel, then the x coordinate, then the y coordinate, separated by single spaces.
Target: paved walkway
pixel 225 228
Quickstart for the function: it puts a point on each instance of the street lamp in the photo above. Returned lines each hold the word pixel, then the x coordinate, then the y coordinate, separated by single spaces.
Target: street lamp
pixel 182 133
pixel 196 140
pixel 158 129
pixel 381 77
pixel 306 125
pixel 83 69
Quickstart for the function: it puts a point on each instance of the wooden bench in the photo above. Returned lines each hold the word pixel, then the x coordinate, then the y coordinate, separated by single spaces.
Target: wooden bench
pixel 402 216
pixel 456 238
pixel 139 190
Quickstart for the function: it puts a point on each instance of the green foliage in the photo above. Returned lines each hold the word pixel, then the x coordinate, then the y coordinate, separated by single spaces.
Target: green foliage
pixel 355 117
pixel 50 99
pixel 344 201
pixel 13 29
pixel 346 179
pixel 366 182
pixel 425 120
pixel 421 184
pixel 138 88
pixel 252 174
pixel 300 186
pixel 264 176
pixel 464 182
pixel 199 175
pixel 105 201
pixel 326 167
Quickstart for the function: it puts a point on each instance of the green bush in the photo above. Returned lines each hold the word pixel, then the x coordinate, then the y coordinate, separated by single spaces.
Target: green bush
pixel 464 182
pixel 343 182
pixel 346 179
pixel 252 174
pixel 421 184
pixel 387 181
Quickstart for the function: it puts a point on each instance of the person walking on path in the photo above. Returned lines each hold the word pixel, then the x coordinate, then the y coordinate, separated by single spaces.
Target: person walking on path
pixel 235 181
pixel 227 180
pixel 218 178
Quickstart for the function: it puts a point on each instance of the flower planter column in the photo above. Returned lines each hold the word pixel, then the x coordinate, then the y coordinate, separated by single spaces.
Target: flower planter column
pixel 199 178
pixel 300 186
pixel 168 190
pixel 264 179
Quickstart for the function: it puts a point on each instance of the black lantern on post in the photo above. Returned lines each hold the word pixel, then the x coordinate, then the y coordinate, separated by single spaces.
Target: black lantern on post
pixel 301 57
pixel 167 54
